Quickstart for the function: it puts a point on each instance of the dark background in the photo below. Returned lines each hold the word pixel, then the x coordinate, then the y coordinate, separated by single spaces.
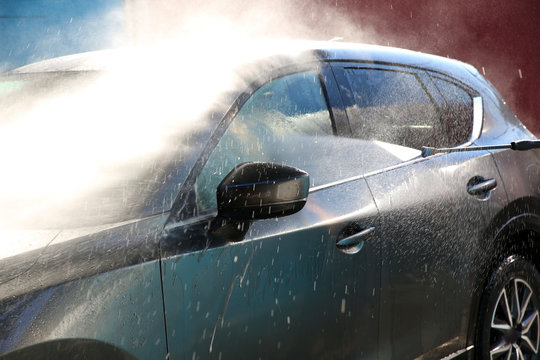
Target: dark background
pixel 500 38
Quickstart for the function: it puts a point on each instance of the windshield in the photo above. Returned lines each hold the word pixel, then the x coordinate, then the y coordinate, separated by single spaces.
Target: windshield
pixel 89 148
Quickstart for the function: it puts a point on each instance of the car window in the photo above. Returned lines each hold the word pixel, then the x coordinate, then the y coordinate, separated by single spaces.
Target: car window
pixel 285 121
pixel 392 107
pixel 457 113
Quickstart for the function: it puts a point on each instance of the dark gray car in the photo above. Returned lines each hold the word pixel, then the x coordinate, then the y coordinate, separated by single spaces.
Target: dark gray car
pixel 299 219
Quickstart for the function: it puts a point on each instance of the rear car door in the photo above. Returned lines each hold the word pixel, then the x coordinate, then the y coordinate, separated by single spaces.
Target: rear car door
pixel 432 217
pixel 281 287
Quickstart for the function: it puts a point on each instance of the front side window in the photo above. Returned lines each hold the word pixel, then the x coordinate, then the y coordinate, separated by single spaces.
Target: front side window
pixel 286 121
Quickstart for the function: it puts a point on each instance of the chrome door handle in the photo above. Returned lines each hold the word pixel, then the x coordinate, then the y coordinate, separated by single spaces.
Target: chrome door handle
pixel 356 238
pixel 483 187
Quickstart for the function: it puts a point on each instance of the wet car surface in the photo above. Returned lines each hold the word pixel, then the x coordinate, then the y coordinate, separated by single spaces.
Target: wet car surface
pixel 299 218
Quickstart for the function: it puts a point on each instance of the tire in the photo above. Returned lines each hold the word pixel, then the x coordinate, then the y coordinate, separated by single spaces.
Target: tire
pixel 509 323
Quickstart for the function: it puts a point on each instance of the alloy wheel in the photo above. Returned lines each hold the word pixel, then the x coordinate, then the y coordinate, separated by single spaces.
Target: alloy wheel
pixel 515 324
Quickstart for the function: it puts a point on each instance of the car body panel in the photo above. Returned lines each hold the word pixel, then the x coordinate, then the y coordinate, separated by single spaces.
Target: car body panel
pixel 427 269
pixel 278 289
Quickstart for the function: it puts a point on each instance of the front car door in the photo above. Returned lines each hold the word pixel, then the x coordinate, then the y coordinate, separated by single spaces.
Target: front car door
pixel 279 287
pixel 431 224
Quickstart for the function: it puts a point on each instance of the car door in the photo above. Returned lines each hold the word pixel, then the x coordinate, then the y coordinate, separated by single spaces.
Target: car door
pixel 279 287
pixel 433 209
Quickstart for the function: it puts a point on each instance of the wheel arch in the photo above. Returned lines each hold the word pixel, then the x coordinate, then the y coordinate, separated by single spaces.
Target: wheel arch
pixel 515 230
pixel 65 349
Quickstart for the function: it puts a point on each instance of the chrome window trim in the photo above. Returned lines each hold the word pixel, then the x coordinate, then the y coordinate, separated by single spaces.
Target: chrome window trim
pixel 334 183
pixel 371 173
pixel 478 121
pixel 192 220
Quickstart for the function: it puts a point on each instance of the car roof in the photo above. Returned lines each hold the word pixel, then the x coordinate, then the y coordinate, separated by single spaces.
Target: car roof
pixel 293 50
pixel 391 55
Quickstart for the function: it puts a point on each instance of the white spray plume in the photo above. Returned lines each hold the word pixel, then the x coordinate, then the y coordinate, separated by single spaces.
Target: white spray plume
pixel 180 57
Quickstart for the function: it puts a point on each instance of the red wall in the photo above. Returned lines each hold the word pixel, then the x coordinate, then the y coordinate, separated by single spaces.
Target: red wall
pixel 502 37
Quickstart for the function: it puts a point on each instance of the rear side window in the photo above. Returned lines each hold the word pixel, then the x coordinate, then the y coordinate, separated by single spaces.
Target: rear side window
pixel 392 107
pixel 457 112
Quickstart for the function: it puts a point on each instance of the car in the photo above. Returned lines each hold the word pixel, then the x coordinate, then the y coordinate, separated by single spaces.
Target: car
pixel 333 200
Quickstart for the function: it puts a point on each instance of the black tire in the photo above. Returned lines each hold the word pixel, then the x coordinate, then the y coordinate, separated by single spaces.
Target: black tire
pixel 505 330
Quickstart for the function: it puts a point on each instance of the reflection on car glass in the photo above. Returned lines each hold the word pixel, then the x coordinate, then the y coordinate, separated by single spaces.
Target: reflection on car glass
pixel 282 122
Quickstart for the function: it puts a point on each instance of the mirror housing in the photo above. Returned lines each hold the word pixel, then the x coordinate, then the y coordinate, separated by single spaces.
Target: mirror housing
pixel 258 190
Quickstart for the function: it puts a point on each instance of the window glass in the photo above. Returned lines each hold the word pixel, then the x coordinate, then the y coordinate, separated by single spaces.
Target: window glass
pixel 392 107
pixel 286 121
pixel 457 113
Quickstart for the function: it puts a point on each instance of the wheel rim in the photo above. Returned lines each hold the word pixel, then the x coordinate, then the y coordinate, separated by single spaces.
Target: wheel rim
pixel 515 324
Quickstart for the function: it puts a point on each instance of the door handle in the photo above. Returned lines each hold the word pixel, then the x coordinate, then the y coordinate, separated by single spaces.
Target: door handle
pixel 483 187
pixel 354 243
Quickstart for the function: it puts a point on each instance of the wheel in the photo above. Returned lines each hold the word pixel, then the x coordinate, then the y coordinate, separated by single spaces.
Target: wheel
pixel 509 325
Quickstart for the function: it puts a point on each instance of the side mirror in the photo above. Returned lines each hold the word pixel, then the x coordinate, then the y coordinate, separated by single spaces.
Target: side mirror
pixel 259 190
